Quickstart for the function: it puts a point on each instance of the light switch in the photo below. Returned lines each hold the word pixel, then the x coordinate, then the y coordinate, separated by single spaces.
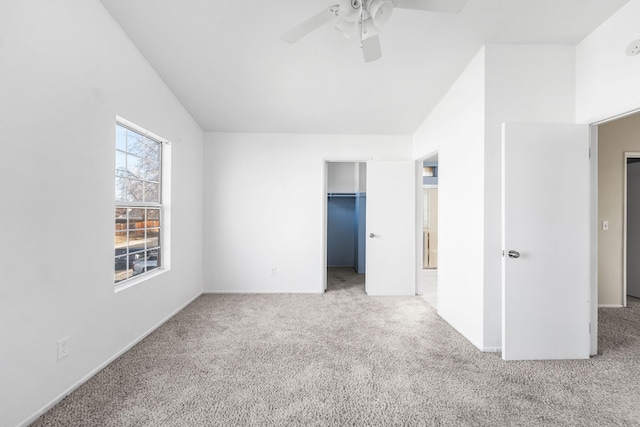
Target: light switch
pixel 605 225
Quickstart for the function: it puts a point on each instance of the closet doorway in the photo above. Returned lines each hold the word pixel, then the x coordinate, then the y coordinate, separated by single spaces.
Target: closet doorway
pixel 346 223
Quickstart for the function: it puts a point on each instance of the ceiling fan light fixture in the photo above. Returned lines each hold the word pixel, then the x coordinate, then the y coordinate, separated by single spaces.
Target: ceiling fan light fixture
pixel 361 19
pixel 380 11
pixel 347 29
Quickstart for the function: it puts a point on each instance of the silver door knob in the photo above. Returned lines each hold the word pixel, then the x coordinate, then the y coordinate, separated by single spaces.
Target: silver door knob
pixel 371 235
pixel 514 254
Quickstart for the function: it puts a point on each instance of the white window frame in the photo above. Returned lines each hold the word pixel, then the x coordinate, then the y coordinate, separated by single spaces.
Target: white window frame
pixel 164 205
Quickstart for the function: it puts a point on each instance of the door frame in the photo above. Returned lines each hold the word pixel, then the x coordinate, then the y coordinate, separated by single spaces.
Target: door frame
pixel 627 155
pixel 595 225
pixel 325 187
pixel 593 157
pixel 420 219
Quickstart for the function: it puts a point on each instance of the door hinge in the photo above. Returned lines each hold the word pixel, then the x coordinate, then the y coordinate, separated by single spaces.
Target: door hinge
pixel 589 327
pixel 589 152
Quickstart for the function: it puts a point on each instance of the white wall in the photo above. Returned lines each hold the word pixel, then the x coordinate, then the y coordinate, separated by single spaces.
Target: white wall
pixel 527 84
pixel 606 78
pixel 264 206
pixel 456 130
pixel 66 70
pixel 504 83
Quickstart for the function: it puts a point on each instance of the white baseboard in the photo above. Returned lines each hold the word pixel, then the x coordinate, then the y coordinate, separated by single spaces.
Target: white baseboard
pixel 492 349
pixel 271 291
pixel 609 305
pixel 87 377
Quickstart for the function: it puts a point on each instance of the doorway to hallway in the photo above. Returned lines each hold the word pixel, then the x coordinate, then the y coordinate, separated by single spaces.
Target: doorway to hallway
pixel 632 226
pixel 429 229
pixel 617 228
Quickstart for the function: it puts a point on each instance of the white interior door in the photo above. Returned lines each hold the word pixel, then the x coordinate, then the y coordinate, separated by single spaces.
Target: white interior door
pixel 390 252
pixel 545 220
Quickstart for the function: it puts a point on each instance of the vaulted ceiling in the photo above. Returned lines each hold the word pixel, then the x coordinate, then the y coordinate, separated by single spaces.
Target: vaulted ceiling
pixel 226 63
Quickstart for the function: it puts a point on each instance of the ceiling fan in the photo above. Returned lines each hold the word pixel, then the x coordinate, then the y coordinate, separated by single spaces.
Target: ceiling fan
pixel 363 18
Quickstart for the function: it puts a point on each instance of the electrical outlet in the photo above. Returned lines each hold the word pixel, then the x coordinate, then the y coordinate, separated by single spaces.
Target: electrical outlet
pixel 273 270
pixel 63 348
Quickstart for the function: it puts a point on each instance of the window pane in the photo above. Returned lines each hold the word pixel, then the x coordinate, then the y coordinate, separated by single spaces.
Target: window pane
pixel 121 138
pixel 153 261
pixel 147 262
pixel 151 192
pixel 121 189
pixel 134 167
pixel 135 256
pixel 121 163
pixel 153 150
pixel 155 255
pixel 121 218
pixel 135 190
pixel 134 143
pixel 150 261
pixel 120 242
pixel 122 270
pixel 153 218
pixel 136 241
pixel 153 237
pixel 150 170
pixel 136 218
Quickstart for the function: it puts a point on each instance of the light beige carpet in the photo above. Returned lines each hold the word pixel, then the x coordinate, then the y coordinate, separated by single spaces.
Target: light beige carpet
pixel 346 359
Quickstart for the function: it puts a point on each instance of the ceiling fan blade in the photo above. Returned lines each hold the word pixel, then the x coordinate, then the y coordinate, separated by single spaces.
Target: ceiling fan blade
pixel 371 48
pixel 448 6
pixel 311 24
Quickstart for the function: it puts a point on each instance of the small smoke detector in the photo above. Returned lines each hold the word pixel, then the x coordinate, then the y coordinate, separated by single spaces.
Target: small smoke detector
pixel 633 48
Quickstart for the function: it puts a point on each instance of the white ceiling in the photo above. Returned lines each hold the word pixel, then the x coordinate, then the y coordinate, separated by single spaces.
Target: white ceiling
pixel 226 63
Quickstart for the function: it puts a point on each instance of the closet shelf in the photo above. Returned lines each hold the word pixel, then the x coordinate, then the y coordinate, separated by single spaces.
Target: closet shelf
pixel 361 194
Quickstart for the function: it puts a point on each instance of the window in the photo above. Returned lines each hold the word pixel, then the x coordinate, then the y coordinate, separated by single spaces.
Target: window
pixel 138 203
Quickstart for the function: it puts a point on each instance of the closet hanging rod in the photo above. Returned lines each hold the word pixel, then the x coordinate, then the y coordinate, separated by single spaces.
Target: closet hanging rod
pixel 341 194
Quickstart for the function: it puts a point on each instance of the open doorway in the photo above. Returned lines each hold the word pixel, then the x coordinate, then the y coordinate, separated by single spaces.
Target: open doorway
pixel 346 225
pixel 618 150
pixel 632 225
pixel 610 139
pixel 429 230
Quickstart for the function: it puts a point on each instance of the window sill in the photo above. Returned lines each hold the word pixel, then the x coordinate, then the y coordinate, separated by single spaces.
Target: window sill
pixel 126 284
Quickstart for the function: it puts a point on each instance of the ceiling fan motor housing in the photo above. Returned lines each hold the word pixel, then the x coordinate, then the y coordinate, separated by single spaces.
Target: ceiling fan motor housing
pixel 350 10
pixel 378 10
